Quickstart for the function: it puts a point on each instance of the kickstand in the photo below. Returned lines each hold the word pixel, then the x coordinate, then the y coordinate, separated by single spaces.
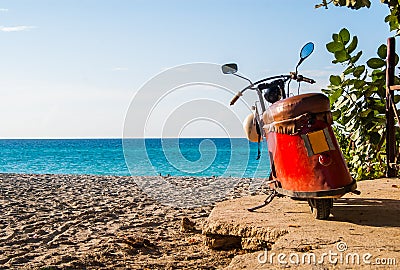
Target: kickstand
pixel 266 202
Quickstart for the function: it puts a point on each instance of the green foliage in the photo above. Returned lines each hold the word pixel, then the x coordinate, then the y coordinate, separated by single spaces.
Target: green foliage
pixel 353 4
pixel 392 19
pixel 358 106
pixel 358 95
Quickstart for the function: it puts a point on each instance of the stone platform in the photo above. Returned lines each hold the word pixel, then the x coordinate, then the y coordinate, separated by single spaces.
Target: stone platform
pixel 363 231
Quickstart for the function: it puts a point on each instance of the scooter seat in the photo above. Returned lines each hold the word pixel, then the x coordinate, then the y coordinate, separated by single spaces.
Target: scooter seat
pixel 282 115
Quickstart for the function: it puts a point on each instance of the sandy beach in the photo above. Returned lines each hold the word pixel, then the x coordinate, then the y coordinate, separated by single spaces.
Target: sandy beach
pixel 99 222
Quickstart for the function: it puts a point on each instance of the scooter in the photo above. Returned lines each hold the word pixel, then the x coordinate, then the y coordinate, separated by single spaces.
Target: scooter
pixel 305 158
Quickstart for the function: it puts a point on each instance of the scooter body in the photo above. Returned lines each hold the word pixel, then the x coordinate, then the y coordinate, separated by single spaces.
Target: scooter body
pixel 306 161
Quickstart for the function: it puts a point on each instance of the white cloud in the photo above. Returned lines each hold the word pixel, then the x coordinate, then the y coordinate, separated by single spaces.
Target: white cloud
pixel 3 9
pixel 15 28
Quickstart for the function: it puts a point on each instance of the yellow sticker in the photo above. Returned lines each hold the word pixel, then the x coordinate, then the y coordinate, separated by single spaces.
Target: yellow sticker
pixel 318 141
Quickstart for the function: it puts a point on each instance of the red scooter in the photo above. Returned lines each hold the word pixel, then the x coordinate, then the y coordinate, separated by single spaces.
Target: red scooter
pixel 305 158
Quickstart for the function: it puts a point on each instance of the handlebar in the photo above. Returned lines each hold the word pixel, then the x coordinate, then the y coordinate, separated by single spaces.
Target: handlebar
pixel 301 78
pixel 236 97
pixel 308 80
pixel 259 85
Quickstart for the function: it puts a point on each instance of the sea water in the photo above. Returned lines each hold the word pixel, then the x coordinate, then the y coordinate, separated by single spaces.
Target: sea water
pixel 142 157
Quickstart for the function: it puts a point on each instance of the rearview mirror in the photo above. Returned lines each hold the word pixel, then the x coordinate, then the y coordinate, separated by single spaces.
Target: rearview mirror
pixel 306 50
pixel 231 68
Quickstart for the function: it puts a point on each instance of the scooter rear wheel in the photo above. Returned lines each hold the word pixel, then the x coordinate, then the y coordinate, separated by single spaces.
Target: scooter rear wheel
pixel 320 208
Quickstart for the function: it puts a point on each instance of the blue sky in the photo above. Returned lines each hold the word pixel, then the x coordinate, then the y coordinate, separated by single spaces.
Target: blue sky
pixel 70 69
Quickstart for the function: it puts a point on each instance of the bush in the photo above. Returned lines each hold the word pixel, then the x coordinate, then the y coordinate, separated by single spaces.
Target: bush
pixel 357 98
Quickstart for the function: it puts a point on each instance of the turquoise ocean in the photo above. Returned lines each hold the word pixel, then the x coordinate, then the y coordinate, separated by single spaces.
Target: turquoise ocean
pixel 142 157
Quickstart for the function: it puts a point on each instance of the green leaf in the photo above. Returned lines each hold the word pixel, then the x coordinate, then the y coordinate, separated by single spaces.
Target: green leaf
pixel 369 92
pixel 358 84
pixel 353 45
pixel 382 51
pixel 335 37
pixel 334 46
pixel 344 35
pixel 348 82
pixel 335 115
pixel 348 70
pixel 342 56
pixel 378 74
pixel 335 80
pixel 358 71
pixel 375 63
pixel 334 97
pixel 355 58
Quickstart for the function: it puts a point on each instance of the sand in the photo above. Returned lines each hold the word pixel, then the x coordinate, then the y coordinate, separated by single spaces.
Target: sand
pixel 101 222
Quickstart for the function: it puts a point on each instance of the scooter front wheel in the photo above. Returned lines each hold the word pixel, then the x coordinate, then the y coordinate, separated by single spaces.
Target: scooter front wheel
pixel 320 208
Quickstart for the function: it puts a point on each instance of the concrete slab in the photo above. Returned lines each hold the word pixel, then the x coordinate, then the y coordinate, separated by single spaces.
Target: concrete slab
pixel 362 231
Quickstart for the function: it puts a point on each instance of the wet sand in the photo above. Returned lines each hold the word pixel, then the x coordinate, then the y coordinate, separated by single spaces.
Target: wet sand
pixel 101 222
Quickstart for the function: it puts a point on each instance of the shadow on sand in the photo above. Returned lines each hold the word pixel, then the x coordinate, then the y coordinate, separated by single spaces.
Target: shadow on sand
pixel 367 211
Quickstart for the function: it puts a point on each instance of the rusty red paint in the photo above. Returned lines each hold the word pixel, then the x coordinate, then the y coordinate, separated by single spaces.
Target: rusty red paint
pixel 296 171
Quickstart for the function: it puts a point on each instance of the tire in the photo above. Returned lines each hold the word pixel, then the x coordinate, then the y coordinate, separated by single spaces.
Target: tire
pixel 320 208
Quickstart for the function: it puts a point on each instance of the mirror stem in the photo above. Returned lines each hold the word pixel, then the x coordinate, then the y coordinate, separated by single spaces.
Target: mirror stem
pixel 298 64
pixel 244 78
